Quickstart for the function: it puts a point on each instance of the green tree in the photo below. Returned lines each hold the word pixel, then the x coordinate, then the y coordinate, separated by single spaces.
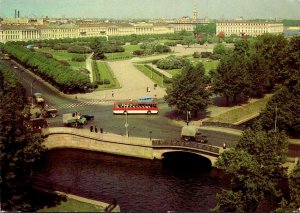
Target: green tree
pixel 205 29
pixel 220 50
pixel 284 107
pixel 293 202
pixel 188 91
pixel 19 148
pixel 231 78
pixel 255 168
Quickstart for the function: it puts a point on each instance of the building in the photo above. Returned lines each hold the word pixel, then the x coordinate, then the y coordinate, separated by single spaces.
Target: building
pixel 25 29
pixel 251 28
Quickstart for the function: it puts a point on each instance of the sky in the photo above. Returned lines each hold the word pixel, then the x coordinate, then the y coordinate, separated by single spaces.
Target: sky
pixel 124 9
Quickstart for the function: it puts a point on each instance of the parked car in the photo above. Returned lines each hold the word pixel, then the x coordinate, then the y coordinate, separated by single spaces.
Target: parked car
pixel 88 117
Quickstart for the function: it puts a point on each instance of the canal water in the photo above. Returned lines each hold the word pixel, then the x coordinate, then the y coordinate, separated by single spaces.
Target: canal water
pixel 180 182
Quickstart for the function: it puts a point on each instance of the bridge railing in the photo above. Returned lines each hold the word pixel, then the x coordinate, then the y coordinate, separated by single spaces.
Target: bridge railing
pixel 189 144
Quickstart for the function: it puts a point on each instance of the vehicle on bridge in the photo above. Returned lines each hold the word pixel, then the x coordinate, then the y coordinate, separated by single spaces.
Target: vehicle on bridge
pixel 131 107
pixel 74 119
pixel 193 133
pixel 36 124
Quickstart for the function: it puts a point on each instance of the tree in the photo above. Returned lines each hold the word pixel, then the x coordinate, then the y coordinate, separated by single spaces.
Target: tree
pixel 284 107
pixel 220 50
pixel 188 91
pixel 255 168
pixel 293 202
pixel 273 48
pixel 205 29
pixel 231 78
pixel 19 148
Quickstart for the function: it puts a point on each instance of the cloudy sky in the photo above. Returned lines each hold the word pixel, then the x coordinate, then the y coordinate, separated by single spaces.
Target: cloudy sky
pixel 229 9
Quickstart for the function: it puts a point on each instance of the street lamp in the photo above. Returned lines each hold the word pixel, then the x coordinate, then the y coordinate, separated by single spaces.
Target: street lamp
pixel 32 92
pixel 188 113
pixel 126 125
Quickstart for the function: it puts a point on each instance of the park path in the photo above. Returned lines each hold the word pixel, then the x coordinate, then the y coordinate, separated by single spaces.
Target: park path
pixel 133 82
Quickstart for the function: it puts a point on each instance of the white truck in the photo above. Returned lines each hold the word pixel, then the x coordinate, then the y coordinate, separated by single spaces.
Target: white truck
pixel 73 119
pixel 193 133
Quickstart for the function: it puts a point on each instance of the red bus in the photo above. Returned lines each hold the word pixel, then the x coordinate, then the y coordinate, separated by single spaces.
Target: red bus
pixel 131 107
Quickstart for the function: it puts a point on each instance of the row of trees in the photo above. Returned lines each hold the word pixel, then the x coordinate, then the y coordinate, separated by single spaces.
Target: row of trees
pixel 20 150
pixel 60 76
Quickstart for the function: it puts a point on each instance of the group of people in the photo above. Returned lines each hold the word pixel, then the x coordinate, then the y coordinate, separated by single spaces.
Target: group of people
pixel 95 129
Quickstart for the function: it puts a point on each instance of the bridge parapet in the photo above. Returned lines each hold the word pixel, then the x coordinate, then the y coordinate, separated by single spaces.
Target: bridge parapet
pixel 187 144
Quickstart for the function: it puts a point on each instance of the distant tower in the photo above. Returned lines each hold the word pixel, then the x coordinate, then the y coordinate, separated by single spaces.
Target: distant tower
pixel 195 12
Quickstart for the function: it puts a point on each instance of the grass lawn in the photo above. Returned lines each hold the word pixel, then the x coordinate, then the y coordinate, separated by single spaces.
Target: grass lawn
pixel 243 112
pixel 158 79
pixel 207 63
pixel 123 55
pixel 64 55
pixel 174 72
pixel 71 205
pixel 106 73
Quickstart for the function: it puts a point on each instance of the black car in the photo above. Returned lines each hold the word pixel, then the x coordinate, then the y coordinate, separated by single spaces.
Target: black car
pixel 49 112
pixel 88 117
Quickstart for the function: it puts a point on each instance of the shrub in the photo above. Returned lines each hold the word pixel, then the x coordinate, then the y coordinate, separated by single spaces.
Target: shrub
pixel 206 54
pixel 138 52
pixel 197 55
pixel 78 58
pixel 64 62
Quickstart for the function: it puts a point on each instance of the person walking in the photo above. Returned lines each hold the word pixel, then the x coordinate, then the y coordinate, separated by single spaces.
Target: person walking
pixel 96 130
pixel 91 128
pixel 112 94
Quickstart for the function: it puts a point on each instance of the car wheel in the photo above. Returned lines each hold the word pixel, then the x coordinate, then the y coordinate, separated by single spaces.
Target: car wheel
pixel 53 115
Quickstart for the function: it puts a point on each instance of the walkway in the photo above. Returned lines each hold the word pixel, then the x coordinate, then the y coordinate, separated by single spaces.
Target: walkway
pixel 134 83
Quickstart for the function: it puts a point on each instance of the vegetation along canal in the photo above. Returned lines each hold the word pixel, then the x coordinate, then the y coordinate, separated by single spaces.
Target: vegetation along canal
pixel 179 182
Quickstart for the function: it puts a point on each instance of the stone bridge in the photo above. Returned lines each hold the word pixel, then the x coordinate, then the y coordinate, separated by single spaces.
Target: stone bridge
pixel 63 137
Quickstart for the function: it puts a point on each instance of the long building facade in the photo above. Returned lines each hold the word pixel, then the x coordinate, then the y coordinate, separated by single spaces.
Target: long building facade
pixel 251 28
pixel 27 29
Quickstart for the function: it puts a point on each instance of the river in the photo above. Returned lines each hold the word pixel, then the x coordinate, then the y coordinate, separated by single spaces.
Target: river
pixel 180 182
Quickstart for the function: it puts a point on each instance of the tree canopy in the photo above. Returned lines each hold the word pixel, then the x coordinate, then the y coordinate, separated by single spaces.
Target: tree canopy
pixel 19 148
pixel 255 168
pixel 188 92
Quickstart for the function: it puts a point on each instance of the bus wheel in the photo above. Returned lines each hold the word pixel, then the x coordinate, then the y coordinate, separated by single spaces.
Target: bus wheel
pixel 125 112
pixel 149 112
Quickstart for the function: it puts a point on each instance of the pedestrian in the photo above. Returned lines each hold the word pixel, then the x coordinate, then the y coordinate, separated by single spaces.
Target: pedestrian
pixel 112 94
pixel 201 122
pixel 224 146
pixel 96 130
pixel 91 128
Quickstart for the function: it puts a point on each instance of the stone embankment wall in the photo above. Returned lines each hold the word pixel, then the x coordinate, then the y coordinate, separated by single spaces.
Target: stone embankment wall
pixel 62 137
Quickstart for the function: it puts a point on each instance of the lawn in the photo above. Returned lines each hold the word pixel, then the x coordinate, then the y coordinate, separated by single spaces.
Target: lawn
pixel 106 73
pixel 156 78
pixel 123 55
pixel 71 205
pixel 64 55
pixel 174 72
pixel 242 113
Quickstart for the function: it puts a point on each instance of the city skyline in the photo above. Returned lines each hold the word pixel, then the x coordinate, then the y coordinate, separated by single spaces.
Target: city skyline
pixel 126 9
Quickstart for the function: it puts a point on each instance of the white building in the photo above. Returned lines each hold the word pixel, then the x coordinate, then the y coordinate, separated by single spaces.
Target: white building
pixel 252 28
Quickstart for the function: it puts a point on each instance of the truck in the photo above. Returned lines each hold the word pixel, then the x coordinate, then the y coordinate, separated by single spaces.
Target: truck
pixel 193 133
pixel 38 98
pixel 74 119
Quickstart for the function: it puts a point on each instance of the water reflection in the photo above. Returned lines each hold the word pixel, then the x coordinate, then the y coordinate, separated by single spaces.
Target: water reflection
pixel 180 182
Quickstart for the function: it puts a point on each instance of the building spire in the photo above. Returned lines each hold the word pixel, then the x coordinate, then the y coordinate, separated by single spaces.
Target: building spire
pixel 195 12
